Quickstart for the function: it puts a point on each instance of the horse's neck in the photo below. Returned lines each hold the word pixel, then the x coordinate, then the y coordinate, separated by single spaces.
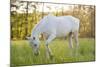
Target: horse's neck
pixel 36 32
pixel 38 28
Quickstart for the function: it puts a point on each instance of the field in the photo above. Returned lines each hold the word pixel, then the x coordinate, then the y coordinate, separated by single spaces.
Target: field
pixel 21 52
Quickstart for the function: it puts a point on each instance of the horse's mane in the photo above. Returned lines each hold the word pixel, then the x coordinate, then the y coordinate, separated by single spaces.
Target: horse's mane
pixel 42 21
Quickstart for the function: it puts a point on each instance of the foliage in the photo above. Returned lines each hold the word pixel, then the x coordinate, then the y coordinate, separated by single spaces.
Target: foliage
pixel 22 23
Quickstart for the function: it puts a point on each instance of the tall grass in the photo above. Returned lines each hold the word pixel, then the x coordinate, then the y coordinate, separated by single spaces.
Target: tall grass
pixel 22 54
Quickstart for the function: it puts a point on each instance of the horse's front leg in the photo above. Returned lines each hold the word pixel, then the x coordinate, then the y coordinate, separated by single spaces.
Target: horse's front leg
pixel 48 50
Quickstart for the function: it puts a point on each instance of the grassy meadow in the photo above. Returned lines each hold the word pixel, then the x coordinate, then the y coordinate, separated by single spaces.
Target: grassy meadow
pixel 21 52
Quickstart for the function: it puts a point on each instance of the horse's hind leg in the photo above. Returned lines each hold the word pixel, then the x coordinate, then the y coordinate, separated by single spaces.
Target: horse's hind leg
pixel 70 40
pixel 76 41
pixel 70 43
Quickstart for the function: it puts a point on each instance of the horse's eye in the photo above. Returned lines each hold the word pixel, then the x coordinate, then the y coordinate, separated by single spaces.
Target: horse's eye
pixel 33 38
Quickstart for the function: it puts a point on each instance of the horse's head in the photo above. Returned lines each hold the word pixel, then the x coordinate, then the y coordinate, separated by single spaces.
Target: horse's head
pixel 34 42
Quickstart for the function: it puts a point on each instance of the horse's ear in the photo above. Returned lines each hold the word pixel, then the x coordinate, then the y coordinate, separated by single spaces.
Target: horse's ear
pixel 28 38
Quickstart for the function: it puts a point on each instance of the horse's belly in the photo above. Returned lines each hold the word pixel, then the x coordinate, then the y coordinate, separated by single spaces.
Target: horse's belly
pixel 63 29
pixel 62 32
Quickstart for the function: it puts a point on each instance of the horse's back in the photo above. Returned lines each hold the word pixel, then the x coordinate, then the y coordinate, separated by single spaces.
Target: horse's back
pixel 61 25
pixel 67 23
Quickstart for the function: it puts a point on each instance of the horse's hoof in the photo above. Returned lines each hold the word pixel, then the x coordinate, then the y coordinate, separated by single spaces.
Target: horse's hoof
pixel 51 57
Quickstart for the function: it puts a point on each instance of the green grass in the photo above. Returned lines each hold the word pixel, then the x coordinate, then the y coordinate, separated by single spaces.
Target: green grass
pixel 21 52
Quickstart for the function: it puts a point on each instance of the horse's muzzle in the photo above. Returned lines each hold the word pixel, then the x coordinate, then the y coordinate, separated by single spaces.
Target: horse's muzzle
pixel 36 54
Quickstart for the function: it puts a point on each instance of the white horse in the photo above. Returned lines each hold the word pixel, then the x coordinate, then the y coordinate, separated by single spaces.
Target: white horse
pixel 51 27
